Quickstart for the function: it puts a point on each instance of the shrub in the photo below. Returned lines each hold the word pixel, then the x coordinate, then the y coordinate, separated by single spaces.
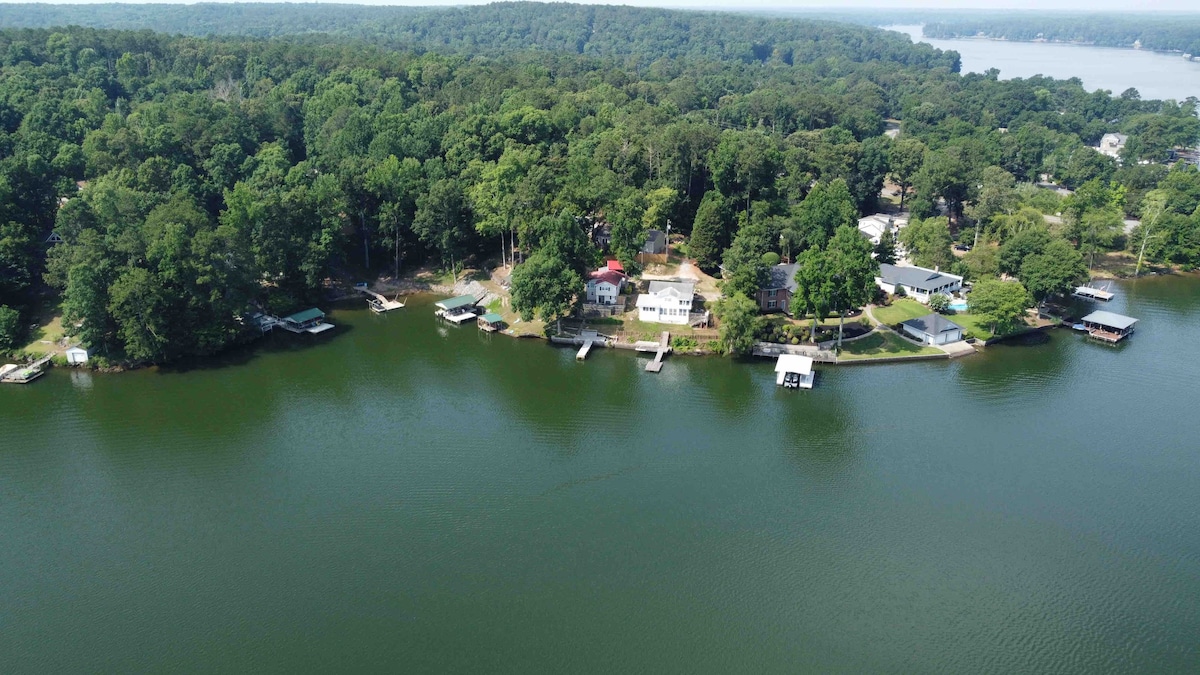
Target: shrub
pixel 939 303
pixel 900 292
pixel 795 341
pixel 770 258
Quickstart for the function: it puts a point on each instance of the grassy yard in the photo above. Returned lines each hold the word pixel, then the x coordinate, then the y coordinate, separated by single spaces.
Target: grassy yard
pixel 973 325
pixel 883 343
pixel 900 311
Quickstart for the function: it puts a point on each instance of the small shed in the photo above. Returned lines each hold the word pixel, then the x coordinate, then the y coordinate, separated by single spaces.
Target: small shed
pixel 1108 326
pixel 933 329
pixel 77 355
pixel 794 371
pixel 491 322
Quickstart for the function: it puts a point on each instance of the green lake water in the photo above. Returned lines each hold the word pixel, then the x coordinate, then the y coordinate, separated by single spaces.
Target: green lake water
pixel 401 496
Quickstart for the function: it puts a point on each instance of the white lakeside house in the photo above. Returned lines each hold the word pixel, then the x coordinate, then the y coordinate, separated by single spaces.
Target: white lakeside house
pixel 604 286
pixel 1112 145
pixel 872 227
pixel 919 283
pixel 666 302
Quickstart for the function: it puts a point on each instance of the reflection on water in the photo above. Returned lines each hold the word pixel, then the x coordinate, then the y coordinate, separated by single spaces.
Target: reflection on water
pixel 404 491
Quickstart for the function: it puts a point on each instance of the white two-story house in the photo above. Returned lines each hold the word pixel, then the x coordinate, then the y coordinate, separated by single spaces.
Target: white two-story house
pixel 667 302
pixel 604 286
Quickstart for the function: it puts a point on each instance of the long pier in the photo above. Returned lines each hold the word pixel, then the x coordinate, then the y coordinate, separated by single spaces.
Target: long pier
pixel 664 346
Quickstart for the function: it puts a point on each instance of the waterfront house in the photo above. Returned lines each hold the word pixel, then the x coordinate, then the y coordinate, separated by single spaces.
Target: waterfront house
pixel 667 302
pixel 874 226
pixel 933 329
pixel 1108 326
pixel 918 283
pixel 77 355
pixel 457 309
pixel 604 285
pixel 311 320
pixel 1112 145
pixel 776 294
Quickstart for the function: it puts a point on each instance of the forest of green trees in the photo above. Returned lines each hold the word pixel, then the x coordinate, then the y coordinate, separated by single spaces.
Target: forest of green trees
pixel 1163 32
pixel 191 178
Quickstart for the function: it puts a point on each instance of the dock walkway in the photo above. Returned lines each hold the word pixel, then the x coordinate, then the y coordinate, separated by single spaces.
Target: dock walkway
pixel 664 346
pixel 379 303
pixel 1092 293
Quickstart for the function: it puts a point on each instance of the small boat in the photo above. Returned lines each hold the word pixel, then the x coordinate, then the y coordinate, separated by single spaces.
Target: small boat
pixel 1078 326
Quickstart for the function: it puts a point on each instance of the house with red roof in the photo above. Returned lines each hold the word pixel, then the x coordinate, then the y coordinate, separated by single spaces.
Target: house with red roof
pixel 605 284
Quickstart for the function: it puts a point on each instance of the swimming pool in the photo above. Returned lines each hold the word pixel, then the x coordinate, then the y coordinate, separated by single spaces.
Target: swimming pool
pixel 959 305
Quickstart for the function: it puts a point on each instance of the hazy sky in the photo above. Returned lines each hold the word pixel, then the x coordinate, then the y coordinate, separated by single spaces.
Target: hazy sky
pixel 1081 5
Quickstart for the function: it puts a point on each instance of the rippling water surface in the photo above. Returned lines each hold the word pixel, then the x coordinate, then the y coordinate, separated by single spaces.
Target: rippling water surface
pixel 404 495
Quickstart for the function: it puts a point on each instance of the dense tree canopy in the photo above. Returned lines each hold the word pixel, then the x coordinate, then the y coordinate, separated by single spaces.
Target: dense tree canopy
pixel 192 180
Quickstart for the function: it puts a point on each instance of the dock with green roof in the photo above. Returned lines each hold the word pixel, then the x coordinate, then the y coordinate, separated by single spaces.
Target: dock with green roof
pixel 457 309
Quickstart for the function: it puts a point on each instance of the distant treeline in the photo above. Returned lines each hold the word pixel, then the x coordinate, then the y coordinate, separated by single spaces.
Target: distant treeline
pixel 1177 32
pixel 639 34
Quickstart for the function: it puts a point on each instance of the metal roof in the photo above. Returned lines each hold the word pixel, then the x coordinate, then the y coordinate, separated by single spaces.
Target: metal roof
pixel 794 363
pixel 306 315
pixel 1109 319
pixel 933 324
pixel 492 317
pixel 455 303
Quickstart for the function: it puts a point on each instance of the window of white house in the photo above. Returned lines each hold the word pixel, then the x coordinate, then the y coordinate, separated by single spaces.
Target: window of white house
pixel 771 303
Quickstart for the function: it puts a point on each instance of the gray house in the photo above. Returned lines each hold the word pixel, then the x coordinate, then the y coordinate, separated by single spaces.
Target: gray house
pixel 933 329
pixel 656 242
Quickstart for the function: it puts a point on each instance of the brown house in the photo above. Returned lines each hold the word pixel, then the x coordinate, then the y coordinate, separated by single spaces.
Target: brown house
pixel 776 294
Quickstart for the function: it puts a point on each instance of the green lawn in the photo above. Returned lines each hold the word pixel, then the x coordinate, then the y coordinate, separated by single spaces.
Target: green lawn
pixel 973 325
pixel 900 311
pixel 883 343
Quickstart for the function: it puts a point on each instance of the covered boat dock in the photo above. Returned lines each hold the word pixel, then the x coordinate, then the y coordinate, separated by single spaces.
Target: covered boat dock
pixel 491 322
pixel 1108 326
pixel 457 309
pixel 309 321
pixel 794 371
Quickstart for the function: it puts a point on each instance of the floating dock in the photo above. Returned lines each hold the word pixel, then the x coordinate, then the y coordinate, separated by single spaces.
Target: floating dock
pixel 583 351
pixel 794 371
pixel 1091 293
pixel 1108 327
pixel 13 374
pixel 378 302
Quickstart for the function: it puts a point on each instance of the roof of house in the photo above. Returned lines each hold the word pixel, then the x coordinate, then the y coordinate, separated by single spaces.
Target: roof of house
pixel 933 324
pixel 455 303
pixel 306 315
pixel 794 363
pixel 685 289
pixel 916 277
pixel 781 276
pixel 492 317
pixel 1110 319
pixel 615 266
pixel 1121 138
pixel 606 275
pixel 75 350
pixel 656 240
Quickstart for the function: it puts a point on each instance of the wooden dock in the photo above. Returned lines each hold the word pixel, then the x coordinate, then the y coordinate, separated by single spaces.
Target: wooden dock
pixel 379 303
pixel 14 374
pixel 1091 293
pixel 663 346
